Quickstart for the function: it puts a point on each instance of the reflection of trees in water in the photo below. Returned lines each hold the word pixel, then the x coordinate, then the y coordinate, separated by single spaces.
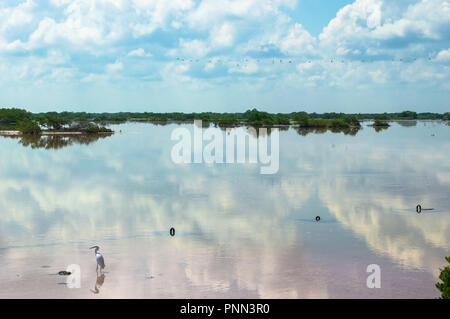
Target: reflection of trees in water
pixel 407 123
pixel 57 141
pixel 380 128
pixel 255 130
pixel 303 131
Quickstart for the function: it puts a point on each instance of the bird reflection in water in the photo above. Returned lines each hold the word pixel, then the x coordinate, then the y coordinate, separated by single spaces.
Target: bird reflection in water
pixel 98 283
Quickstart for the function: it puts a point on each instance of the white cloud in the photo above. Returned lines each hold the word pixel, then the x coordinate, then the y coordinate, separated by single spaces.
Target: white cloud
pixel 209 12
pixel 60 3
pixel 89 24
pixel 157 14
pixel 443 56
pixel 114 67
pixel 193 48
pixel 389 27
pixel 302 67
pixel 139 52
pixel 77 40
pixel 13 17
pixel 378 76
pixel 297 41
pixel 223 35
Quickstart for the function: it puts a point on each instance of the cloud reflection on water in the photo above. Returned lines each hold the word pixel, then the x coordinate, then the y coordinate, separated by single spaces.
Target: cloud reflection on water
pixel 237 231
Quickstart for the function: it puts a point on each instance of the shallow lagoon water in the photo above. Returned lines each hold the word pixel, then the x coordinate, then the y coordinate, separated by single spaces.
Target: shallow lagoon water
pixel 239 234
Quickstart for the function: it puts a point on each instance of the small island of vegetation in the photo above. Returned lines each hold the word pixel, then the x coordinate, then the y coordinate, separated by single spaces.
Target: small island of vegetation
pixel 15 121
pixel 380 123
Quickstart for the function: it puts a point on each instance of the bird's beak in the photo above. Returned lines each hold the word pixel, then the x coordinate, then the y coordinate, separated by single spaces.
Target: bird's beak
pixel 92 247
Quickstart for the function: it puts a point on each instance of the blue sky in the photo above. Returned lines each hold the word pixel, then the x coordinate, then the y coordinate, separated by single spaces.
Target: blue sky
pixel 226 56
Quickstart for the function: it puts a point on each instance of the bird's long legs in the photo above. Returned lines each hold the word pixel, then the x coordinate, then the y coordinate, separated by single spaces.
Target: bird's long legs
pixel 100 269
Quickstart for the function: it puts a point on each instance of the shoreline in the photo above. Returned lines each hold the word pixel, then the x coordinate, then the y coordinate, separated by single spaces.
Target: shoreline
pixel 233 125
pixel 19 133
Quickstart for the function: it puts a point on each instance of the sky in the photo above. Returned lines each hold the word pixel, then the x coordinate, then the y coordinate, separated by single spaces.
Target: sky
pixel 225 56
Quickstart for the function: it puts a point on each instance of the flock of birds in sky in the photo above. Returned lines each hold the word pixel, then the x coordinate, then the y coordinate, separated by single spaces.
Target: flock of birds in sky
pixel 243 62
pixel 286 61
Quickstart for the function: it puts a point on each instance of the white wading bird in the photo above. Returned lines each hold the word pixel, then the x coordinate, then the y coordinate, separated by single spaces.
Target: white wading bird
pixel 99 257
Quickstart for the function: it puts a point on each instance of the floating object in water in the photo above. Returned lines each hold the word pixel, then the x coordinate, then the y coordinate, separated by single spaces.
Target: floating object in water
pixel 172 232
pixel 317 218
pixel 419 209
pixel 64 273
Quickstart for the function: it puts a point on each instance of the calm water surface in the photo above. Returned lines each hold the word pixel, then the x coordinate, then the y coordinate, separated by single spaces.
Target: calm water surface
pixel 238 233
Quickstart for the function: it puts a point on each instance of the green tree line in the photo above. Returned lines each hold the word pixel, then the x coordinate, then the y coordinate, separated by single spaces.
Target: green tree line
pixel 31 122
